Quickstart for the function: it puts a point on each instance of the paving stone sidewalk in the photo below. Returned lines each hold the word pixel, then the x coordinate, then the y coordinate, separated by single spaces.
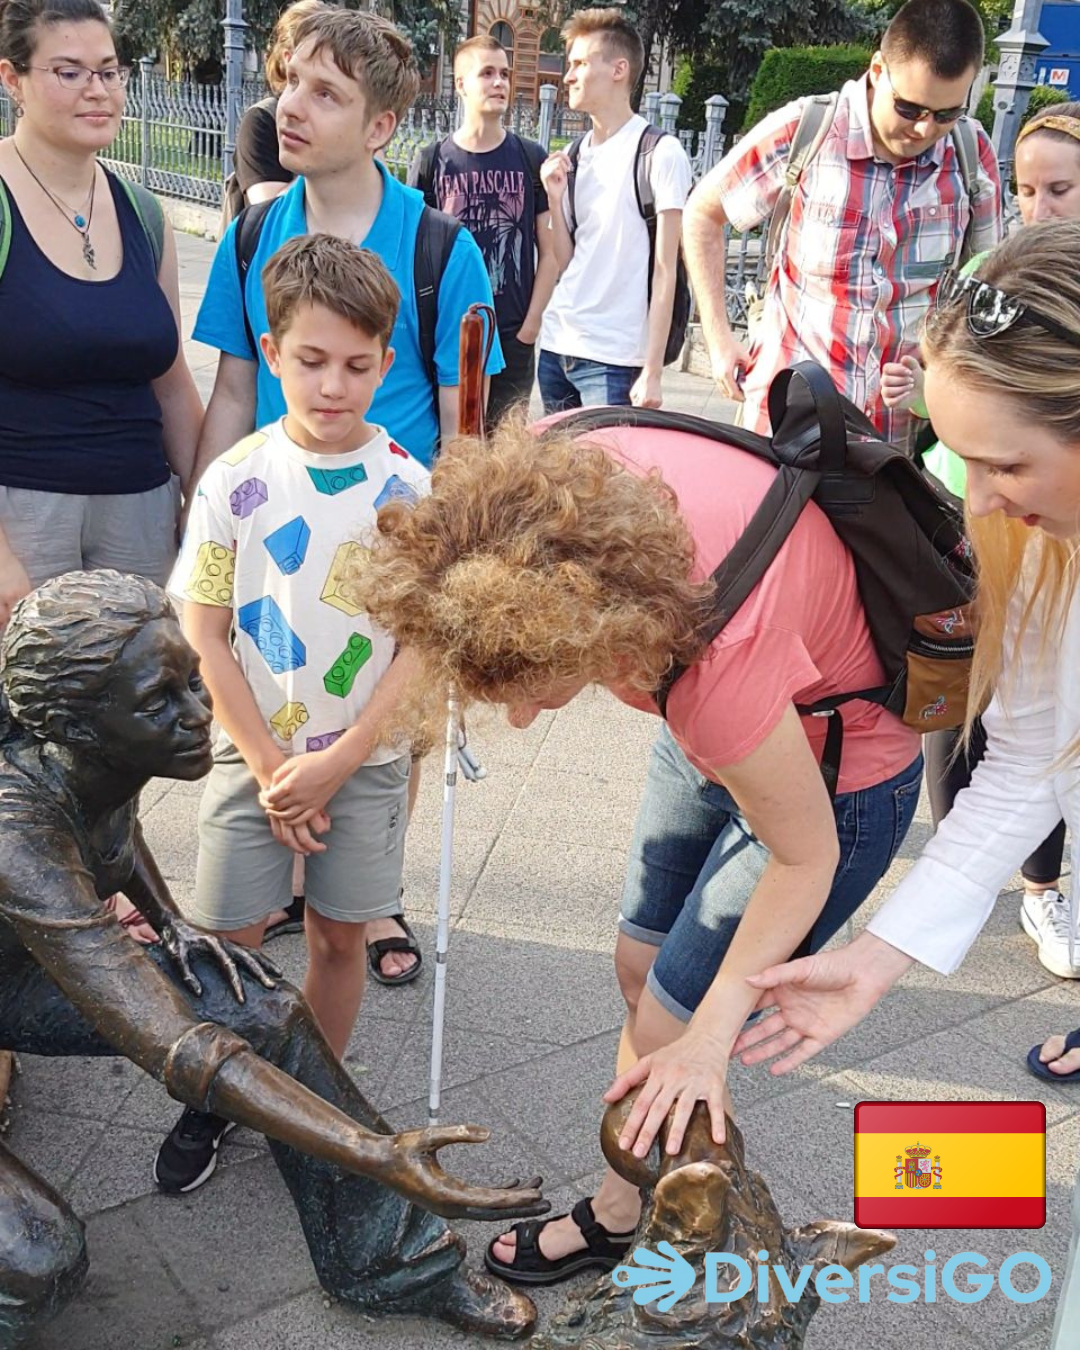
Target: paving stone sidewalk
pixel 533 1019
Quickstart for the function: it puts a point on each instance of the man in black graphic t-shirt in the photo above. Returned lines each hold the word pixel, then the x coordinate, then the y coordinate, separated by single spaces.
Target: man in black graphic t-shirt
pixel 489 179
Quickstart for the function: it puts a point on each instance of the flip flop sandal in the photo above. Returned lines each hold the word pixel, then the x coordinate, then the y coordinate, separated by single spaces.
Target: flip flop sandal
pixel 1040 1070
pixel 530 1266
pixel 377 950
pixel 293 922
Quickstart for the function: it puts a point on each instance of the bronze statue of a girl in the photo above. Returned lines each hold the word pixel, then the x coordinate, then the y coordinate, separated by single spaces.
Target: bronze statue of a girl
pixel 101 693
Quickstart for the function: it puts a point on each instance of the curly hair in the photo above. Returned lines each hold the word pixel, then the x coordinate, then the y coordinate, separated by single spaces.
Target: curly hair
pixel 535 561
pixel 63 640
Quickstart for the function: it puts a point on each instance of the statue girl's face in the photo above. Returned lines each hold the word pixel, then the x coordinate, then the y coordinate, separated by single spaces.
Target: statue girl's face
pixel 154 721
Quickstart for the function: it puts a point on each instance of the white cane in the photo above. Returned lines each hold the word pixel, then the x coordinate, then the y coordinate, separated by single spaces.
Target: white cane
pixel 442 922
pixel 476 337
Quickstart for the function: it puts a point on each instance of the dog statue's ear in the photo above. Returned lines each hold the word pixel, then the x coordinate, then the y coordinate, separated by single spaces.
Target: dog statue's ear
pixel 829 1242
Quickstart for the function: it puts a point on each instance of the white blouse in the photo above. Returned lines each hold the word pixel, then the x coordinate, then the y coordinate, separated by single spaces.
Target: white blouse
pixel 1019 792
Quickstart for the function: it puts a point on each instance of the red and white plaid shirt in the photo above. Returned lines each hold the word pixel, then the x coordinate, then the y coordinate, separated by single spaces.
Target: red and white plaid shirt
pixel 865 244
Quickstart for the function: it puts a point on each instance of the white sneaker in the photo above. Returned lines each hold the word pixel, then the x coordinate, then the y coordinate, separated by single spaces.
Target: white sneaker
pixel 1047 921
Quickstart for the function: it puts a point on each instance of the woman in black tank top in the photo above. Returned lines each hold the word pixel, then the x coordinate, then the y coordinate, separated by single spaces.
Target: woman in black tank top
pixel 99 415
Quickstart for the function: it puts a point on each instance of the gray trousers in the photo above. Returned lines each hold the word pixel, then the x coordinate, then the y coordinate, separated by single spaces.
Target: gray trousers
pixel 1064 1336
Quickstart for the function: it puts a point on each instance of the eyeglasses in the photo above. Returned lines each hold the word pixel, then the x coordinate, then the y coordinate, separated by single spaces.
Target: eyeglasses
pixel 991 311
pixel 78 77
pixel 911 112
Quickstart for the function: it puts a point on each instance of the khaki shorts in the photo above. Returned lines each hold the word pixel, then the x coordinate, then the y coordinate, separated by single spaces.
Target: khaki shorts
pixel 55 532
pixel 244 874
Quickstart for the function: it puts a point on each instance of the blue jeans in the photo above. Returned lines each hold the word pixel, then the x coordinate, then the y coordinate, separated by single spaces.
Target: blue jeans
pixel 573 382
pixel 694 864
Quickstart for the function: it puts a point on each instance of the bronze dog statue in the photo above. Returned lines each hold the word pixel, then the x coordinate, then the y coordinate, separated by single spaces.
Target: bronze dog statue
pixel 703 1200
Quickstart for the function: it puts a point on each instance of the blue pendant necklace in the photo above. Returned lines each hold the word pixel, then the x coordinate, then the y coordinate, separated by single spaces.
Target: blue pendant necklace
pixel 76 219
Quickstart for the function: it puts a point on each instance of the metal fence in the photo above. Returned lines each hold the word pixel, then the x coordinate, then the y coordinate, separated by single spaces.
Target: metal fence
pixel 173 134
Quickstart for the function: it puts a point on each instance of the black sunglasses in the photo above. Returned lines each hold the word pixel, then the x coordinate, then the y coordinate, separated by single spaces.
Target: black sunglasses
pixel 911 112
pixel 991 311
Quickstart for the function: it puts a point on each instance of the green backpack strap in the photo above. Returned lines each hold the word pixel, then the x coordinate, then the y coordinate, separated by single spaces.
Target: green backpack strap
pixel 5 228
pixel 151 217
pixel 965 142
pixel 814 125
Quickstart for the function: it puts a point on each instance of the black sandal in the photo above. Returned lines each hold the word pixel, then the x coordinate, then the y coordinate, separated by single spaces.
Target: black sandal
pixel 293 922
pixel 377 950
pixel 530 1266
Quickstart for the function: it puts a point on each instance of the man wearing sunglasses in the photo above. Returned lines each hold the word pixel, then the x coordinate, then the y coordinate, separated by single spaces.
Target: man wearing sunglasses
pixel 895 187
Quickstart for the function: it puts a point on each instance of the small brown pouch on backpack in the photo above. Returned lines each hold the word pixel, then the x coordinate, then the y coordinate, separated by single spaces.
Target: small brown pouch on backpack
pixel 939 659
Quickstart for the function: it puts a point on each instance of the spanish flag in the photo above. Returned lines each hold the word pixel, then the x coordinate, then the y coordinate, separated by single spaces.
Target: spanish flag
pixel 950 1164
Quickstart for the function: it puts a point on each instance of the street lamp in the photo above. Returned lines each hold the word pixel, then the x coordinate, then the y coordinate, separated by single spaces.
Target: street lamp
pixel 235 27
pixel 1020 49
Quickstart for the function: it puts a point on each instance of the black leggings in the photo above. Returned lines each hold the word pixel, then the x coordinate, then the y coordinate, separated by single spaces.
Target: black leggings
pixel 948 773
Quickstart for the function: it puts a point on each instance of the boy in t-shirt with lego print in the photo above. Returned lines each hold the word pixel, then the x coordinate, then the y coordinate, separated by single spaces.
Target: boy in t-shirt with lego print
pixel 301 679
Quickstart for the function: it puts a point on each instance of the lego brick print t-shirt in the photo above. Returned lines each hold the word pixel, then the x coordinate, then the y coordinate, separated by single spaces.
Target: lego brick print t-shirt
pixel 497 196
pixel 272 532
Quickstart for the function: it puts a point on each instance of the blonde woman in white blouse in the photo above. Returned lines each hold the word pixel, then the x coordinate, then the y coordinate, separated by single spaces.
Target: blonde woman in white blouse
pixel 1003 390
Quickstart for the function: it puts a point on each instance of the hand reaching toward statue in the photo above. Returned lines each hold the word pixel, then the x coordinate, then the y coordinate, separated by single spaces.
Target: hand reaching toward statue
pixel 816 999
pixel 412 1168
pixel 182 942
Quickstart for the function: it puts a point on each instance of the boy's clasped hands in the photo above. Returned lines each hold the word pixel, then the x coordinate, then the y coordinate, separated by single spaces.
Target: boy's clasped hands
pixel 296 795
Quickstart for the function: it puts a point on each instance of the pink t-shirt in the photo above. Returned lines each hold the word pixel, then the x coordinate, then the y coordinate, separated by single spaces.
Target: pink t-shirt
pixel 801 635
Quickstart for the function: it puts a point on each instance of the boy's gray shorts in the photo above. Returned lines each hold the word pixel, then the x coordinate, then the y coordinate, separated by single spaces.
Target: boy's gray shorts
pixel 244 874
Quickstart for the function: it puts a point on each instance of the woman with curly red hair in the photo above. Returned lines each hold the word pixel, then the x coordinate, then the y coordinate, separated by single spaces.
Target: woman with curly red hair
pixel 538 566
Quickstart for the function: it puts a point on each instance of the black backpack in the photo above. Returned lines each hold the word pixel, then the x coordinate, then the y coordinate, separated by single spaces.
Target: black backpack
pixel 435 237
pixel 680 311
pixel 913 565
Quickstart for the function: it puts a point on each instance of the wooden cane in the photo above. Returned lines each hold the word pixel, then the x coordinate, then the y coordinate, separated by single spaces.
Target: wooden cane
pixel 474 347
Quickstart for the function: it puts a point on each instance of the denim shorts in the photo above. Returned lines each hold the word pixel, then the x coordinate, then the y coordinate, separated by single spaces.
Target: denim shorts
pixel 576 382
pixel 694 864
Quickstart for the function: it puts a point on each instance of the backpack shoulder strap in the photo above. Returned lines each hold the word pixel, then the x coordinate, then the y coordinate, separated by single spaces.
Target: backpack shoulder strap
pixel 246 234
pixel 429 157
pixel 151 217
pixel 436 233
pixel 5 228
pixel 643 190
pixel 965 141
pixel 574 151
pixel 814 125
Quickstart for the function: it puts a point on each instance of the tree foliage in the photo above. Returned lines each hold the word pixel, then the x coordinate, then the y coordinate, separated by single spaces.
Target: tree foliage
pixel 788 73
pixel 191 33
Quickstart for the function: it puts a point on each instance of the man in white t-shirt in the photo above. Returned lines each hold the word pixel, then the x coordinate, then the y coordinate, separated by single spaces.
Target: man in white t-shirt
pixel 604 333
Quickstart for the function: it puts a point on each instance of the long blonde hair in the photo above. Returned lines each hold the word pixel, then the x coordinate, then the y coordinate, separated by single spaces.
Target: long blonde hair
pixel 1037 372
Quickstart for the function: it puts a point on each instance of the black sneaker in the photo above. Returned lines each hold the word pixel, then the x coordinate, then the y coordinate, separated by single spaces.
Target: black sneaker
pixel 189 1155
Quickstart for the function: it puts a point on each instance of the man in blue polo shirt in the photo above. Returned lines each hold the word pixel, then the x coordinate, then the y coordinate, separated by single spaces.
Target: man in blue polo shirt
pixel 351 77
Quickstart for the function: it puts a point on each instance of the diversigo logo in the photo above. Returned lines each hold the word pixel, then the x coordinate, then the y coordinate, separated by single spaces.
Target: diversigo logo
pixel 664 1277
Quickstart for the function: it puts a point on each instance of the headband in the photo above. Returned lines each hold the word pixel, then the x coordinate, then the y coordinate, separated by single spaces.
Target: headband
pixel 1055 122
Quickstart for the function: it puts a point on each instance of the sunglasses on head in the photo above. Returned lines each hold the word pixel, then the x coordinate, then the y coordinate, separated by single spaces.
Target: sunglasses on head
pixel 991 311
pixel 912 112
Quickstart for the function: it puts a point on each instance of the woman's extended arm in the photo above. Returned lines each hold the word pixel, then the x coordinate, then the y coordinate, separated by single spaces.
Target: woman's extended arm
pixel 780 790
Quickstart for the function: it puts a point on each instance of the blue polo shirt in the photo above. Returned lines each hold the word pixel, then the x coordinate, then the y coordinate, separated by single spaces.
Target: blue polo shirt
pixel 405 403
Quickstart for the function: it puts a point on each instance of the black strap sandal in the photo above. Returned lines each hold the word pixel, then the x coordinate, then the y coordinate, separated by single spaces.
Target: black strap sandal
pixel 530 1266
pixel 1041 1070
pixel 377 950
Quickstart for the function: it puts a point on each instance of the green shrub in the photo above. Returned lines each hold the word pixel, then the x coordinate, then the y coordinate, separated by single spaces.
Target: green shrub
pixel 694 82
pixel 1042 96
pixel 788 73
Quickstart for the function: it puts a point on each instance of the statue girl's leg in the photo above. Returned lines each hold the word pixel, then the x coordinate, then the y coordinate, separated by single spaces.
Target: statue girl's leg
pixel 42 1252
